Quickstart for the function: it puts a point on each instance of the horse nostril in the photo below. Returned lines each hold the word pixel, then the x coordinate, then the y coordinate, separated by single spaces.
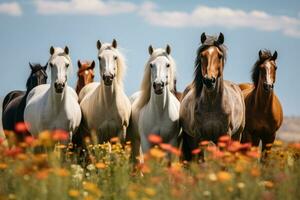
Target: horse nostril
pixel 213 79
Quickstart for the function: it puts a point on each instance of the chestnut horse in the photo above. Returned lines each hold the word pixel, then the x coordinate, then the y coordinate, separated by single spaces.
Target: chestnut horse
pixel 263 110
pixel 211 107
pixel 85 74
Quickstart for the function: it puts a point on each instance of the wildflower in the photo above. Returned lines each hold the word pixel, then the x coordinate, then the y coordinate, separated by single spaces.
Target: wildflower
pixel 60 135
pixel 45 138
pixel 21 127
pixel 29 140
pixel 100 165
pixel 255 172
pixel 196 151
pixel 13 151
pixel 224 139
pixel 268 184
pixel 241 185
pixel 74 193
pixel 91 187
pixel 150 191
pixel 278 143
pixel 131 194
pixel 91 167
pixel 155 139
pixel 88 197
pixel 212 177
pixel 144 168
pixel 222 144
pixel 3 166
pixel 157 153
pixel 62 172
pixel 41 175
pixel 204 143
pixel 230 189
pixel 114 140
pixel 223 176
pixel 166 147
pixel 206 193
pixel 253 154
pixel 22 156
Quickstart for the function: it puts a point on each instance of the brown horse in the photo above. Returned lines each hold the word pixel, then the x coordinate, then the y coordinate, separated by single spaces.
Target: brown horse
pixel 85 74
pixel 263 110
pixel 211 107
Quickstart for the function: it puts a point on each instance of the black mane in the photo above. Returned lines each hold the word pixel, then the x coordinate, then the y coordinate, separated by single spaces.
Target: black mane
pixel 265 55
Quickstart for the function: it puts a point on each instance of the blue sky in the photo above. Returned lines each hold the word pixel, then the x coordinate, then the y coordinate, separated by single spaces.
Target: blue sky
pixel 30 27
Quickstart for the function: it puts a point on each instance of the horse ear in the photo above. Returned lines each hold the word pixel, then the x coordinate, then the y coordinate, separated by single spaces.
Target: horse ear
pixel 274 57
pixel 168 49
pixel 260 54
pixel 31 67
pixel 92 65
pixel 203 37
pixel 221 38
pixel 150 49
pixel 52 50
pixel 99 45
pixel 66 50
pixel 79 64
pixel 114 43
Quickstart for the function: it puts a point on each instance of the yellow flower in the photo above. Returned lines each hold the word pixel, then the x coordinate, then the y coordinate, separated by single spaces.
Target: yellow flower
pixel 157 153
pixel 240 185
pixel 3 166
pixel 91 187
pixel 131 194
pixel 150 191
pixel 74 193
pixel 212 177
pixel 45 138
pixel 223 176
pixel 100 165
pixel 268 184
pixel 89 198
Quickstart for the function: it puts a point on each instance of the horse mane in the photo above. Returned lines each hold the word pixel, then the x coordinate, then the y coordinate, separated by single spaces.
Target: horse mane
pixel 120 61
pixel 210 41
pixel 265 55
pixel 146 83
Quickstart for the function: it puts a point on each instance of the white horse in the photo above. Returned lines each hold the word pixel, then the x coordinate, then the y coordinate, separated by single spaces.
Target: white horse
pixel 155 109
pixel 105 107
pixel 55 105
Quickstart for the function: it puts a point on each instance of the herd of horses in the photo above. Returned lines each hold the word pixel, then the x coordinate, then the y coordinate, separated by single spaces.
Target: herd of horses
pixel 209 108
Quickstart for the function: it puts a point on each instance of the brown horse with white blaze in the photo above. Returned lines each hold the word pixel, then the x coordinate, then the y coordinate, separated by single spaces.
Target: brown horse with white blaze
pixel 85 74
pixel 264 113
pixel 211 107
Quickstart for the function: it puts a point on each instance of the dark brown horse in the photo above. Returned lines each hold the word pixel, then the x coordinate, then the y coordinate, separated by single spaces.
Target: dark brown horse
pixel 263 110
pixel 211 107
pixel 85 74
pixel 14 108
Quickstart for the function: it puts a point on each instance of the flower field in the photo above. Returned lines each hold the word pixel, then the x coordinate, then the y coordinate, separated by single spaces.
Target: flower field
pixel 230 171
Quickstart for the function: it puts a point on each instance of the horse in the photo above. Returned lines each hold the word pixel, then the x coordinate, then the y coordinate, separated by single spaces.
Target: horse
pixel 54 106
pixel 264 113
pixel 85 74
pixel 155 108
pixel 14 109
pixel 211 107
pixel 105 107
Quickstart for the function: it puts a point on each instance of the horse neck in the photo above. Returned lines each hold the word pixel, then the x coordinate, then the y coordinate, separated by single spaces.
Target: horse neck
pixel 263 101
pixel 159 103
pixel 79 85
pixel 212 97
pixel 108 93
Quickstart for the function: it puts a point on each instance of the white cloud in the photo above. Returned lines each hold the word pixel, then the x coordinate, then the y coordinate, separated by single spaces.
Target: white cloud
pixel 204 16
pixel 84 7
pixel 11 8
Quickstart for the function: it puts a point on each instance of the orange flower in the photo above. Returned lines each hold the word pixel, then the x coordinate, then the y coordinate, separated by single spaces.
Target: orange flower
pixel 253 154
pixel 154 139
pixel 21 127
pixel 255 172
pixel 223 176
pixel 100 165
pixel 74 193
pixel 29 140
pixel 224 138
pixel 60 135
pixel 157 153
pixel 175 151
pixel 166 147
pixel 204 143
pixel 41 175
pixel 62 172
pixel 3 166
pixel 114 140
pixel 13 151
pixel 196 151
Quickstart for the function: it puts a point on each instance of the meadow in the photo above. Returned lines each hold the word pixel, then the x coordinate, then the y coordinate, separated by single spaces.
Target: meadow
pixel 231 171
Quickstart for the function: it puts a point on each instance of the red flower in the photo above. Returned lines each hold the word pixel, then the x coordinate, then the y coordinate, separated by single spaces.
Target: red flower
pixel 154 139
pixel 13 151
pixel 29 140
pixel 22 127
pixel 60 135
pixel 224 138
pixel 166 147
pixel 196 151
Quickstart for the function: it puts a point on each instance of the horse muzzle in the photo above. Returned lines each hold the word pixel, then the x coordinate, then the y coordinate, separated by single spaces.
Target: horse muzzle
pixel 158 87
pixel 210 83
pixel 268 87
pixel 59 87
pixel 108 79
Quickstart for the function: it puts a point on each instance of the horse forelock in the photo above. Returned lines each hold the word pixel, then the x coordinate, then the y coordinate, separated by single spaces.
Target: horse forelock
pixel 266 54
pixel 146 82
pixel 210 41
pixel 121 62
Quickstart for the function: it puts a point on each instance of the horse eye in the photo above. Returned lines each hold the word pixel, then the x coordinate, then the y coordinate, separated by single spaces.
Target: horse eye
pixel 99 58
pixel 275 67
pixel 220 56
pixel 51 65
pixel 151 65
pixel 67 65
pixel 168 65
pixel 115 57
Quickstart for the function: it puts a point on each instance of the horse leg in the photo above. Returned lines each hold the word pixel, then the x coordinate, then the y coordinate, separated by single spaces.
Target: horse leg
pixel 267 142
pixel 188 145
